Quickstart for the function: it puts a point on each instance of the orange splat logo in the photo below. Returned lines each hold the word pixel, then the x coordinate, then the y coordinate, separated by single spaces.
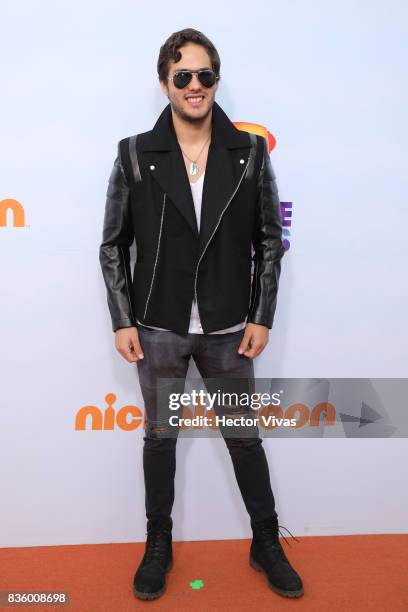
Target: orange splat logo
pixel 256 128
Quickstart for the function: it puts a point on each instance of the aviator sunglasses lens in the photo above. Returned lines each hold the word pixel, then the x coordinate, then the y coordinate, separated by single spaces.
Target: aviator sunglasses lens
pixel 206 78
pixel 182 78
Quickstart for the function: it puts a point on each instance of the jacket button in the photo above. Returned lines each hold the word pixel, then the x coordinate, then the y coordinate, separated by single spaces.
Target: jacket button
pixel 152 167
pixel 242 161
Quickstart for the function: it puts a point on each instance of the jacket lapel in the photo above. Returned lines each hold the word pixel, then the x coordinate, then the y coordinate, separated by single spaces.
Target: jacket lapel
pixel 222 175
pixel 170 173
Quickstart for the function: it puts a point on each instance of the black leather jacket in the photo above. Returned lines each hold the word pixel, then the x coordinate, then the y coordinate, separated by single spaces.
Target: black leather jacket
pixel 149 200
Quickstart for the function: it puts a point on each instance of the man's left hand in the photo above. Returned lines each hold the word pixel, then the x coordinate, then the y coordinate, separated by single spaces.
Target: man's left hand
pixel 255 338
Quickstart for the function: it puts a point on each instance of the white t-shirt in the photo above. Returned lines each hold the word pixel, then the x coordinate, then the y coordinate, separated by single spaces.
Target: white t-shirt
pixel 195 324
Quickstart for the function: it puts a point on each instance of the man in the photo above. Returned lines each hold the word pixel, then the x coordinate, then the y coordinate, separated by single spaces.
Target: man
pixel 196 194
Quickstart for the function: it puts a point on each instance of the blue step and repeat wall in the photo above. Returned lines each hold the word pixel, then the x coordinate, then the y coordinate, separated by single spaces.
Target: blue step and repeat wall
pixel 327 84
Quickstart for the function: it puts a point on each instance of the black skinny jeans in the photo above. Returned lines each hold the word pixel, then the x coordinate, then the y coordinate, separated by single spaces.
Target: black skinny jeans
pixel 167 355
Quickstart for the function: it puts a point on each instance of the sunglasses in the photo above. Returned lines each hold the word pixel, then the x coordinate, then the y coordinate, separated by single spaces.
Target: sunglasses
pixel 182 78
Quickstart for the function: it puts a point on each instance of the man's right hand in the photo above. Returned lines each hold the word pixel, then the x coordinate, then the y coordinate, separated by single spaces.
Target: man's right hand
pixel 128 344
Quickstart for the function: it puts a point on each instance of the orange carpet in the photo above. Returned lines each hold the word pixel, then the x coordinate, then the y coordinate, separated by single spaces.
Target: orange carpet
pixel 339 573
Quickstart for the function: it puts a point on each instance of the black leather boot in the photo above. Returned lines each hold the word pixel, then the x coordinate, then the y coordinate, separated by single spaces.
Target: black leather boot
pixel 267 555
pixel 149 581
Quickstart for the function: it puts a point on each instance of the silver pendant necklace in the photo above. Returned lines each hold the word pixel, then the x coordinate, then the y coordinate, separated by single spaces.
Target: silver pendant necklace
pixel 194 167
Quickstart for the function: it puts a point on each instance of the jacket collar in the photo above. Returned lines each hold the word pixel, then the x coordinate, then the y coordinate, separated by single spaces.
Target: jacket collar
pixel 223 172
pixel 223 132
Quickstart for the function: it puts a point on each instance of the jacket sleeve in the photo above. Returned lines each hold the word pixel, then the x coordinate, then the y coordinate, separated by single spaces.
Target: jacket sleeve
pixel 267 244
pixel 114 256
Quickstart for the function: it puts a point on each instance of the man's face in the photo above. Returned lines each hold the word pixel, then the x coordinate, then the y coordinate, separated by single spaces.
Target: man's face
pixel 193 57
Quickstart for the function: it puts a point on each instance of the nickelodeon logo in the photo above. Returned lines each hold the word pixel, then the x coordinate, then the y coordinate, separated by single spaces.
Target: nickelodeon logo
pixel 17 213
pixel 127 418
pixel 286 207
pixel 130 417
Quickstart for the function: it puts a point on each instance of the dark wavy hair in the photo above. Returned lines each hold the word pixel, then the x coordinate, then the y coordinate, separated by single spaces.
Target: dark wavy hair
pixel 170 51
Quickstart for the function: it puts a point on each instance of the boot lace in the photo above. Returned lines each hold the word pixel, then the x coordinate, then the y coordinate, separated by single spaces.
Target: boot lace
pixel 272 542
pixel 156 545
pixel 287 541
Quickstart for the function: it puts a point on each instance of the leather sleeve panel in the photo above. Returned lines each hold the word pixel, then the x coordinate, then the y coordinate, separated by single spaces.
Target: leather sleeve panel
pixel 268 246
pixel 114 256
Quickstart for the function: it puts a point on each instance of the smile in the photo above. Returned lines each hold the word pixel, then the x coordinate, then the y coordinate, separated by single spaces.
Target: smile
pixel 195 100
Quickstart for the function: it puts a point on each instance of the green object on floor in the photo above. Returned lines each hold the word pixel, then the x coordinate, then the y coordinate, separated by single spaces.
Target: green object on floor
pixel 197 584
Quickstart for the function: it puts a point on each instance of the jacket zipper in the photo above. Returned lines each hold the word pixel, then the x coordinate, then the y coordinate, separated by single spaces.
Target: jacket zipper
pixel 215 229
pixel 157 255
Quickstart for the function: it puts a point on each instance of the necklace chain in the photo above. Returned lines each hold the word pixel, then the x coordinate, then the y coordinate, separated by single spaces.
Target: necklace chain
pixel 194 168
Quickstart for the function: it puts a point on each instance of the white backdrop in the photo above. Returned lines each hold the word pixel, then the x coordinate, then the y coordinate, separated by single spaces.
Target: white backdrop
pixel 330 82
